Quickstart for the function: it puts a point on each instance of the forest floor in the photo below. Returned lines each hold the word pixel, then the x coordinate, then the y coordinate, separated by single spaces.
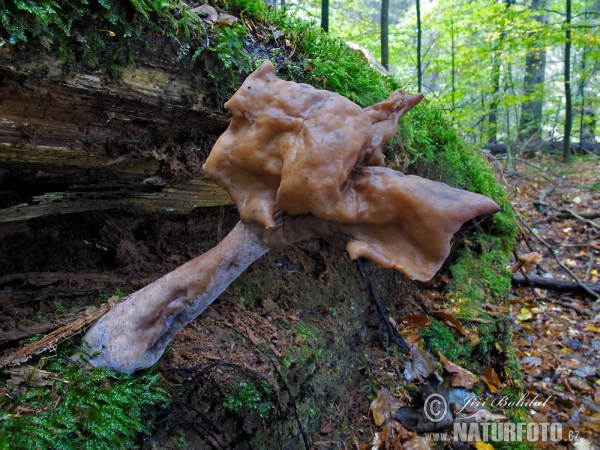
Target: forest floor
pixel 556 335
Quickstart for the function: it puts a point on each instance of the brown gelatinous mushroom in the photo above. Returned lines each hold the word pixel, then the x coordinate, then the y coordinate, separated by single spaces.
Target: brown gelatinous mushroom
pixel 298 163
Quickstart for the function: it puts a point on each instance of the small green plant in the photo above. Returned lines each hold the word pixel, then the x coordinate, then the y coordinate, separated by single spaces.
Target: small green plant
pixel 248 396
pixel 60 307
pixel 595 186
pixel 76 406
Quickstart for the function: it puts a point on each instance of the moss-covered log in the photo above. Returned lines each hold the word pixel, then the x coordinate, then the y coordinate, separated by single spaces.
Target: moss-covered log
pixel 100 173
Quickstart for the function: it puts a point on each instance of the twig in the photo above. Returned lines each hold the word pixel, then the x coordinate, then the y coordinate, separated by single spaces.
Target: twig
pixel 588 270
pixel 393 332
pixel 542 198
pixel 573 307
pixel 549 247
pixel 577 216
pixel 524 161
pixel 568 212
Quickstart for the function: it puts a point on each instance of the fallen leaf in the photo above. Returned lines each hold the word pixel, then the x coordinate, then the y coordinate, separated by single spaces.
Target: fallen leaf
pixel 525 315
pixel 417 443
pixel 490 376
pixel 461 377
pixel 531 361
pixel 450 321
pixel 416 320
pixel 384 408
pixel 420 366
pixel 582 444
pixel 480 445
pixel 327 429
pixel 227 19
pixel 33 376
pixel 410 337
pixel 207 11
pixel 592 328
pixel 581 385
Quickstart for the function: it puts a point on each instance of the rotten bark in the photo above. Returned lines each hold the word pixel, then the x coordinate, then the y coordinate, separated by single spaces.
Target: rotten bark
pixel 81 142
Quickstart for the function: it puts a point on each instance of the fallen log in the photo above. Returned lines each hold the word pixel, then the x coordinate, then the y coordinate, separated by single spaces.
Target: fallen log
pixel 552 284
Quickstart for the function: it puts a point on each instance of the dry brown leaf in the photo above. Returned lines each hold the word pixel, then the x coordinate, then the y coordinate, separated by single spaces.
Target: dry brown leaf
pixel 32 375
pixel 450 322
pixel 531 361
pixel 581 385
pixel 384 408
pixel 416 320
pixel 417 443
pixel 410 337
pixel 460 377
pixel 490 376
pixel 420 366
pixel 206 11
pixel 227 19
pixel 328 428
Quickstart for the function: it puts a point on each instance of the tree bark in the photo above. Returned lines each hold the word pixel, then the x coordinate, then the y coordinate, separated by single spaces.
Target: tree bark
pixel 325 15
pixel 385 11
pixel 82 142
pixel 535 70
pixel 567 78
pixel 419 61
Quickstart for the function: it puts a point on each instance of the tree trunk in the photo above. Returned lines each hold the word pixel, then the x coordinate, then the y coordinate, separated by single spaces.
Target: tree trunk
pixel 567 78
pixel 385 10
pixel 535 69
pixel 419 61
pixel 325 15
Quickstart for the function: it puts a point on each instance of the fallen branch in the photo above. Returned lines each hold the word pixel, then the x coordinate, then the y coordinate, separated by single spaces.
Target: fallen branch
pixel 528 163
pixel 48 342
pixel 549 247
pixel 553 284
pixel 573 307
pixel 567 213
pixel 40 328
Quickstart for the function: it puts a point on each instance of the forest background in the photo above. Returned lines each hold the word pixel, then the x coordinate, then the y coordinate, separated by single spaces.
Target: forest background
pixel 519 74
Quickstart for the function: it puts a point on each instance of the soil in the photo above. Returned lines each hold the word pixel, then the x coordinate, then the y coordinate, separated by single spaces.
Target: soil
pixel 300 319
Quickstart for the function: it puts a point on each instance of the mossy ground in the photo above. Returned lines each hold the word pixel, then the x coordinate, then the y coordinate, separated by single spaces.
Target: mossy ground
pixel 106 35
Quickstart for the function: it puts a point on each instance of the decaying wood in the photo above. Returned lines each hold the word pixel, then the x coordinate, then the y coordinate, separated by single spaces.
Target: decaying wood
pixel 40 328
pixel 553 284
pixel 75 142
pixel 560 263
pixel 85 317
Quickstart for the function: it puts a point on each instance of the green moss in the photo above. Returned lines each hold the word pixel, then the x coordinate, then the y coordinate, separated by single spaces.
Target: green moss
pixel 84 407
pixel 249 397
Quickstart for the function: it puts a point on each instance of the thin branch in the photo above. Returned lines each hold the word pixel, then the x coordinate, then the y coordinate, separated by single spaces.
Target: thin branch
pixel 588 271
pixel 569 212
pixel 393 332
pixel 573 307
pixel 549 247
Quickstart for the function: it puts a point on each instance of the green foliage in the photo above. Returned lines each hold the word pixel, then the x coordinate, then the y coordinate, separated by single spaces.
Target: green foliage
pixel 85 407
pixel 248 396
pixel 229 58
pixel 97 33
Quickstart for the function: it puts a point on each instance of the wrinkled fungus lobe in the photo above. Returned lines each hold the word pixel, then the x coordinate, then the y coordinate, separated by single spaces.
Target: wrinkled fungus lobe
pixel 296 149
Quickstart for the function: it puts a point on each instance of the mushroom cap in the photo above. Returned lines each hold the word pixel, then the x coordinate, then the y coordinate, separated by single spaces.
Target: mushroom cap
pixel 304 151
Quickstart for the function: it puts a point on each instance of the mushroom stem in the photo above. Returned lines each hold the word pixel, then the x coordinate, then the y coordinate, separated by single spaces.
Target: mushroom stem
pixel 134 335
